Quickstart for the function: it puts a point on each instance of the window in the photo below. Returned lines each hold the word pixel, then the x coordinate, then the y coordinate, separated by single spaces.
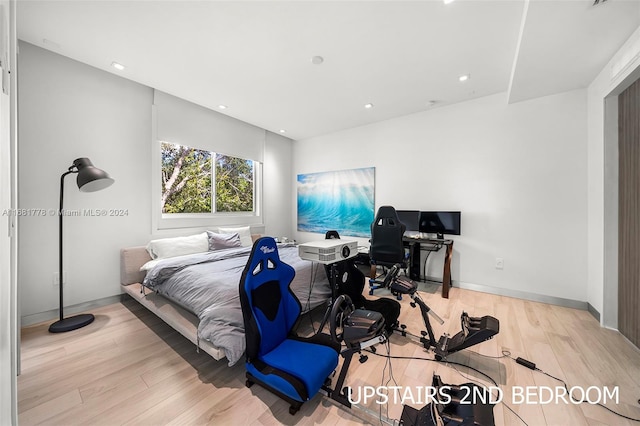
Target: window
pixel 206 168
pixel 197 181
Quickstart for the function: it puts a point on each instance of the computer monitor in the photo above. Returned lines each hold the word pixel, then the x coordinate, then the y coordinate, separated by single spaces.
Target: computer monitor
pixel 440 223
pixel 410 218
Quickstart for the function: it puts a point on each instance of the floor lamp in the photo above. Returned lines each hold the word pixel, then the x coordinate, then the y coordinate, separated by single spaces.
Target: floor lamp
pixel 89 179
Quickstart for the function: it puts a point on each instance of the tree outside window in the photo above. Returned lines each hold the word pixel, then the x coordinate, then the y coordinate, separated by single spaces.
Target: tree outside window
pixel 189 180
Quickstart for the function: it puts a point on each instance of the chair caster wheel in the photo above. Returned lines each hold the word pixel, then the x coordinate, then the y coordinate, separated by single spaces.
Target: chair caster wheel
pixel 293 410
pixel 248 383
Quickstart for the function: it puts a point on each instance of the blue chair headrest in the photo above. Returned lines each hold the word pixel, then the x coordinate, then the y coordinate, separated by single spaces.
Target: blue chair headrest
pixel 264 264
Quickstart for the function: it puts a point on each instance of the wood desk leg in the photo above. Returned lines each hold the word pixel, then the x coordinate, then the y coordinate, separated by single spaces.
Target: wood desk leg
pixel 446 274
pixel 373 272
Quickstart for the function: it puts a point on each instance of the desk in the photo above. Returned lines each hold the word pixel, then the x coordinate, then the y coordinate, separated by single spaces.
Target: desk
pixel 416 245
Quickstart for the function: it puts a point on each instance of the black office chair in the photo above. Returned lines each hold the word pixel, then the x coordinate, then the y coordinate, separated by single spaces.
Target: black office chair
pixel 387 247
pixel 349 280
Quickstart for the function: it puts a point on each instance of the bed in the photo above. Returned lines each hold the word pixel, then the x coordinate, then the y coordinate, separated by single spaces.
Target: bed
pixel 197 294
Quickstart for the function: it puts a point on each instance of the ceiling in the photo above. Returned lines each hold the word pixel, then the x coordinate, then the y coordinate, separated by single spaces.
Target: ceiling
pixel 255 57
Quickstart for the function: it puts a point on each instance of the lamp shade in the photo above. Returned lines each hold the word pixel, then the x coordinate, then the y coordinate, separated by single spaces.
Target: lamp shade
pixel 91 178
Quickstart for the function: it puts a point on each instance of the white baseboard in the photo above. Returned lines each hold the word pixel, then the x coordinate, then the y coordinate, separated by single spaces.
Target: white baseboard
pixel 27 320
pixel 552 300
pixel 534 297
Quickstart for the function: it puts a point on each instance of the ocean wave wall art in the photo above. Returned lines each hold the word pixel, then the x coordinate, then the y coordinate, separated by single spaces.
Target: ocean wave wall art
pixel 340 200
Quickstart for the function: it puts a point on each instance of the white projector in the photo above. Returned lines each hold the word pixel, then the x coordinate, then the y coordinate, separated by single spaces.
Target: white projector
pixel 328 251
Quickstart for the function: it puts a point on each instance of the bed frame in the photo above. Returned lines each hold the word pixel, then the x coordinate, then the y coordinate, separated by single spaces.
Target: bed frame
pixel 183 321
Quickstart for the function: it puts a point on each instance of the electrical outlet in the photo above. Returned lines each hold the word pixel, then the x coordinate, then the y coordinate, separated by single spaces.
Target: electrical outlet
pixel 56 278
pixel 499 263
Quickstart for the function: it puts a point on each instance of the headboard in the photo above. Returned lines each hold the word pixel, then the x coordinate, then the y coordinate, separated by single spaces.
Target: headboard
pixel 131 259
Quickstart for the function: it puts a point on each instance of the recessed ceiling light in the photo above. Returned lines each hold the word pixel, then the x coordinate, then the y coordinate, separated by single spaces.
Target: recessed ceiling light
pixel 447 1
pixel 464 77
pixel 222 106
pixel 368 106
pixel 117 66
pixel 317 60
pixel 283 131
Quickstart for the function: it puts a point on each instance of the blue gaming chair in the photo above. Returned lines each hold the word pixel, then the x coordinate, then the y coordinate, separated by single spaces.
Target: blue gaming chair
pixel 292 367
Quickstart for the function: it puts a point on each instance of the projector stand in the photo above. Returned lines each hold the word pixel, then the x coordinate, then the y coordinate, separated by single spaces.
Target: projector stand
pixel 331 301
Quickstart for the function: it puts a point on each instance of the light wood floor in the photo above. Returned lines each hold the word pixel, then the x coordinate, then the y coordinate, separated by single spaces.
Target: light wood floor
pixel 130 368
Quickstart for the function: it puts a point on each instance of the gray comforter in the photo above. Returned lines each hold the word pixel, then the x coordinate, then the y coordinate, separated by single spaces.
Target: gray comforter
pixel 207 285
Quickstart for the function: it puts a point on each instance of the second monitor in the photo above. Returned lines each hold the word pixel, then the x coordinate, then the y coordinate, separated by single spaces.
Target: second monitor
pixel 439 223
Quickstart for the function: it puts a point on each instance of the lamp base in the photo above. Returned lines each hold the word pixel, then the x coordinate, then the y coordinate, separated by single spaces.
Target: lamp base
pixel 71 323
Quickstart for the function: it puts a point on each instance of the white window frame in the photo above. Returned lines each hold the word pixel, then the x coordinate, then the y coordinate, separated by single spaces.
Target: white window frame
pixel 197 221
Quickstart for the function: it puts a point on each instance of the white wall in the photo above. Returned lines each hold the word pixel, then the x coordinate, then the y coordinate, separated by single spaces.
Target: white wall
pixel 7 296
pixel 516 172
pixel 69 110
pixel 277 183
pixel 9 349
pixel 622 70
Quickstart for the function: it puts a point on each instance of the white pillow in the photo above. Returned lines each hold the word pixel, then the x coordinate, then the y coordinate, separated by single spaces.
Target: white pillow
pixel 243 231
pixel 150 264
pixel 178 246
